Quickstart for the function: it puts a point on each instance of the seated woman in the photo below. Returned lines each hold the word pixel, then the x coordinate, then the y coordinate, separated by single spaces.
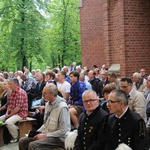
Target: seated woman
pixel 5 97
pixel 37 95
pixel 106 91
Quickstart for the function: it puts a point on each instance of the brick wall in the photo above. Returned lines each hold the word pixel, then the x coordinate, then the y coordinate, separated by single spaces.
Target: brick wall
pixel 116 31
pixel 92 33
pixel 137 35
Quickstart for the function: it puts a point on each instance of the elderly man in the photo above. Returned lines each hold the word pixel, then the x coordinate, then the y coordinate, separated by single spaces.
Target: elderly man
pixel 56 123
pixel 139 82
pixel 17 108
pixel 136 99
pixel 92 131
pixel 125 126
pixel 29 84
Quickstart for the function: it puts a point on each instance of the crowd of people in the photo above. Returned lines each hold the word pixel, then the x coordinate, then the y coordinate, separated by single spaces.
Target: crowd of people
pixel 105 109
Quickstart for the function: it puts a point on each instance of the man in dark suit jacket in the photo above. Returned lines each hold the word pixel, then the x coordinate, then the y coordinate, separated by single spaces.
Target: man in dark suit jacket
pixel 96 83
pixel 92 131
pixel 125 126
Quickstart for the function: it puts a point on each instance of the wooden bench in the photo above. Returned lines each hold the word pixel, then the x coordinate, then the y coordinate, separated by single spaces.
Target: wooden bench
pixel 25 125
pixel 30 113
pixel 2 126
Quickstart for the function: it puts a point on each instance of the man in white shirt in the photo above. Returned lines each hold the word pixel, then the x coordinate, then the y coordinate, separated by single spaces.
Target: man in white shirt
pixel 63 86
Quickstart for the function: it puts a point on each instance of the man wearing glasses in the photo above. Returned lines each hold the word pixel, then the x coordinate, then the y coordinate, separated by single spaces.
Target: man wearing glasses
pixel 56 123
pixel 92 131
pixel 136 100
pixel 124 125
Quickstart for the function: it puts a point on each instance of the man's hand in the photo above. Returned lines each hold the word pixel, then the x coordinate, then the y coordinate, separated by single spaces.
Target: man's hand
pixel 7 116
pixel 39 136
pixel 70 106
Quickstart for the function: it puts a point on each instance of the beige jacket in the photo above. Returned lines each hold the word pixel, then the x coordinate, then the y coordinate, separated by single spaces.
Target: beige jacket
pixel 137 103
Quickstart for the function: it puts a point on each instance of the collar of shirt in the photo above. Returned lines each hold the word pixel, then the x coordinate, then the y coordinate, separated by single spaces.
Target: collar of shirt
pixel 122 113
pixel 131 91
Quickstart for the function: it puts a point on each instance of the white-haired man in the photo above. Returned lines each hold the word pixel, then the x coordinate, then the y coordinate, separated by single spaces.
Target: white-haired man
pixel 56 123
pixel 92 131
pixel 139 82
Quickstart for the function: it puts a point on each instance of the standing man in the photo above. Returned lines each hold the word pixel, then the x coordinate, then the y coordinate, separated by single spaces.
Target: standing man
pixel 56 123
pixel 92 131
pixel 63 86
pixel 17 108
pixel 125 126
pixel 136 100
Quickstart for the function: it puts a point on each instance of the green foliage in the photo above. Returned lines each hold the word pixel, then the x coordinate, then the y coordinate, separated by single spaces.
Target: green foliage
pixel 41 33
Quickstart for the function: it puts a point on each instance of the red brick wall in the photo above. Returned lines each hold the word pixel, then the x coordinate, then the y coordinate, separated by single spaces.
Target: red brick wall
pixel 137 35
pixel 116 31
pixel 92 33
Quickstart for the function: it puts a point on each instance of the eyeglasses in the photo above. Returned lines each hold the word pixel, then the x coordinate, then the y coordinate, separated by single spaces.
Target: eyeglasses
pixel 89 101
pixel 111 101
pixel 124 87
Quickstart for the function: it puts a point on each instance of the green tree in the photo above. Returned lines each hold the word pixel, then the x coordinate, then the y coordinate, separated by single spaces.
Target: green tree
pixel 64 32
pixel 35 35
pixel 21 28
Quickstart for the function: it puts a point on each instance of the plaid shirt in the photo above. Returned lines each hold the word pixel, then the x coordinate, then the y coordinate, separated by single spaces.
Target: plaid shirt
pixel 19 98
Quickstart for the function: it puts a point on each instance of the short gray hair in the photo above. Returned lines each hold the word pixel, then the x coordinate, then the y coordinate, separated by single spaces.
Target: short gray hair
pixel 53 88
pixel 14 80
pixel 89 92
pixel 138 75
pixel 120 95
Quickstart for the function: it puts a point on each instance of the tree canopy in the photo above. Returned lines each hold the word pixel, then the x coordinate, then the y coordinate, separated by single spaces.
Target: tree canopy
pixel 37 33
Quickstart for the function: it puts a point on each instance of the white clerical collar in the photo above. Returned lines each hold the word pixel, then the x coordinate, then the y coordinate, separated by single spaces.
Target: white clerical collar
pixel 122 114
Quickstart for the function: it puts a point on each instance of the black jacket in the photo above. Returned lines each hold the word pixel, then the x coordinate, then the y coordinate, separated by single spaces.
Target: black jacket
pixel 129 129
pixel 92 131
pixel 97 86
